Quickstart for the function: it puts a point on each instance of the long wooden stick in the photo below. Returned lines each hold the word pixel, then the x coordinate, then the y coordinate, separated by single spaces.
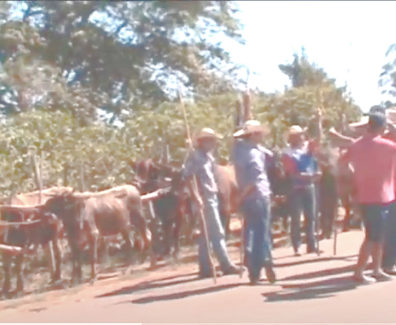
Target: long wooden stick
pixel 12 250
pixel 18 223
pixel 196 192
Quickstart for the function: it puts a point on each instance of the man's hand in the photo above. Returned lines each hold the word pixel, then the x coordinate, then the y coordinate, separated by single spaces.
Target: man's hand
pixel 318 113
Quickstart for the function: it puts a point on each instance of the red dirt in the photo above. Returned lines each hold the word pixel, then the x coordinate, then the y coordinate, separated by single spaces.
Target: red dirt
pixel 311 288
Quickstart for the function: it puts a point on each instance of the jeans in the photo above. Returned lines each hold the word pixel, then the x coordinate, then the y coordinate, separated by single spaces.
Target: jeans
pixel 389 258
pixel 303 201
pixel 216 239
pixel 328 200
pixel 257 234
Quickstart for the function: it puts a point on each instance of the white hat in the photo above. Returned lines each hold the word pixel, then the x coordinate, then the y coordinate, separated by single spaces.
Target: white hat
pixel 295 129
pixel 251 126
pixel 207 133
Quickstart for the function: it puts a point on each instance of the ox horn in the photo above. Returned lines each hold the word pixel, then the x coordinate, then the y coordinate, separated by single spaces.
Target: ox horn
pixel 152 196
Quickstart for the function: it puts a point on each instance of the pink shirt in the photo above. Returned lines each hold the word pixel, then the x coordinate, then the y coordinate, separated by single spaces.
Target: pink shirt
pixel 374 161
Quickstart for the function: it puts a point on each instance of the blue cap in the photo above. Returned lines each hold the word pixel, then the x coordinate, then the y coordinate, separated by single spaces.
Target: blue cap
pixel 376 109
pixel 377 119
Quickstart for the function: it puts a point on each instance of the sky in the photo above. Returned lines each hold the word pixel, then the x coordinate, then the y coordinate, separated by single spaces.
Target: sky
pixel 348 39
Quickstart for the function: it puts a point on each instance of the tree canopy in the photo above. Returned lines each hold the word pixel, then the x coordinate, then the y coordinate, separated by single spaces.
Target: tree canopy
pixel 115 55
pixel 64 64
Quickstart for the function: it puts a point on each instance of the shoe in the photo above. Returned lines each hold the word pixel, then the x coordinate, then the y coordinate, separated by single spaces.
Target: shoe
pixel 254 278
pixel 270 273
pixel 390 270
pixel 233 269
pixel 364 279
pixel 311 250
pixel 382 276
pixel 297 252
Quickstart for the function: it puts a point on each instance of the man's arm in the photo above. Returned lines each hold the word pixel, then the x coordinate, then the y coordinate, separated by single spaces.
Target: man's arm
pixel 188 173
pixel 340 140
pixel 254 170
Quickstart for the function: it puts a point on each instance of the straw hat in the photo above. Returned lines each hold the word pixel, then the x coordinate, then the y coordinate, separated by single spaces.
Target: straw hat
pixel 207 133
pixel 295 130
pixel 249 127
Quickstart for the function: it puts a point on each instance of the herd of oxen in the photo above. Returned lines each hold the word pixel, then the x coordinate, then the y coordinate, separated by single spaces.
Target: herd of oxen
pixel 151 214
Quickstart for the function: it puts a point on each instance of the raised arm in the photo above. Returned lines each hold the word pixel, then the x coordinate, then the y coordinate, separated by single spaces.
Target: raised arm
pixel 340 140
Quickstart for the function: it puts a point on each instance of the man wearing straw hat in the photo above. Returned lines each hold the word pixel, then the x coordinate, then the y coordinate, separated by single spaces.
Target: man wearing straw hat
pixel 201 163
pixel 250 160
pixel 301 166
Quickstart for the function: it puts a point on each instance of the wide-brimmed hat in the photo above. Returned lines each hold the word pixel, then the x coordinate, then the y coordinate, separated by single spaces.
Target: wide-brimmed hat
pixel 295 130
pixel 207 133
pixel 249 127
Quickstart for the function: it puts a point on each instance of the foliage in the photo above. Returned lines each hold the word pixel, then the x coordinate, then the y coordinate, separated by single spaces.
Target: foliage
pixel 114 55
pixel 387 78
pixel 105 152
pixel 310 89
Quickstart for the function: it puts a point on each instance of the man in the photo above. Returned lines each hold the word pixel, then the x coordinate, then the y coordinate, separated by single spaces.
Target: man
pixel 201 164
pixel 374 161
pixel 389 253
pixel 250 160
pixel 302 168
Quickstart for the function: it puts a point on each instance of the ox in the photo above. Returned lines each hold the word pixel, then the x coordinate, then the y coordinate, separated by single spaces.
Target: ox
pixel 170 211
pixel 86 216
pixel 228 193
pixel 27 226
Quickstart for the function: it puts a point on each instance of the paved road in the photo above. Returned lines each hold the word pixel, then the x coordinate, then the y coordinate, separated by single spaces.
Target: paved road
pixel 310 289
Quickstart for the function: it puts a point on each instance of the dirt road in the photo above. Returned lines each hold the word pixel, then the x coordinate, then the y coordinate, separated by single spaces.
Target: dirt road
pixel 310 289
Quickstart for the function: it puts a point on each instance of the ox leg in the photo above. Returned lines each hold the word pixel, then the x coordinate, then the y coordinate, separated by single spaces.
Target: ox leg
pixel 50 249
pixel 129 246
pixel 19 272
pixel 56 276
pixel 76 260
pixel 177 231
pixel 7 274
pixel 104 252
pixel 93 248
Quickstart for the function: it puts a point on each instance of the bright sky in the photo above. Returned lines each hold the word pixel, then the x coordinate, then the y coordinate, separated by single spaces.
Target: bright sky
pixel 348 39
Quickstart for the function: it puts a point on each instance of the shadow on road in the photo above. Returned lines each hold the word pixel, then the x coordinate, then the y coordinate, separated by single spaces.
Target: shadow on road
pixel 187 293
pixel 316 274
pixel 315 260
pixel 152 284
pixel 312 290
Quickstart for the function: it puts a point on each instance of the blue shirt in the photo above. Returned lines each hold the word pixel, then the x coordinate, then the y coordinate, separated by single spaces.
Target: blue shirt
pixel 305 162
pixel 202 165
pixel 250 168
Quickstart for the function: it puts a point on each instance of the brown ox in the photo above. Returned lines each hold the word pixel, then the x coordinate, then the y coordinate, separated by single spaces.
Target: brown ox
pixel 33 226
pixel 35 198
pixel 170 212
pixel 228 193
pixel 88 215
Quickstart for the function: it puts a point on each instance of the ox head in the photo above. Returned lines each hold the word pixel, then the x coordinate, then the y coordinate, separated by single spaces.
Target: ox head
pixel 63 204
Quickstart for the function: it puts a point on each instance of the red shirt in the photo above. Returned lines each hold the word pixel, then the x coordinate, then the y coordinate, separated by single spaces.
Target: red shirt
pixel 374 161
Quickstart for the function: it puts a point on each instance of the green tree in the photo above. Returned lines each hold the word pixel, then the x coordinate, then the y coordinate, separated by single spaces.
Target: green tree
pixel 117 55
pixel 310 88
pixel 387 78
